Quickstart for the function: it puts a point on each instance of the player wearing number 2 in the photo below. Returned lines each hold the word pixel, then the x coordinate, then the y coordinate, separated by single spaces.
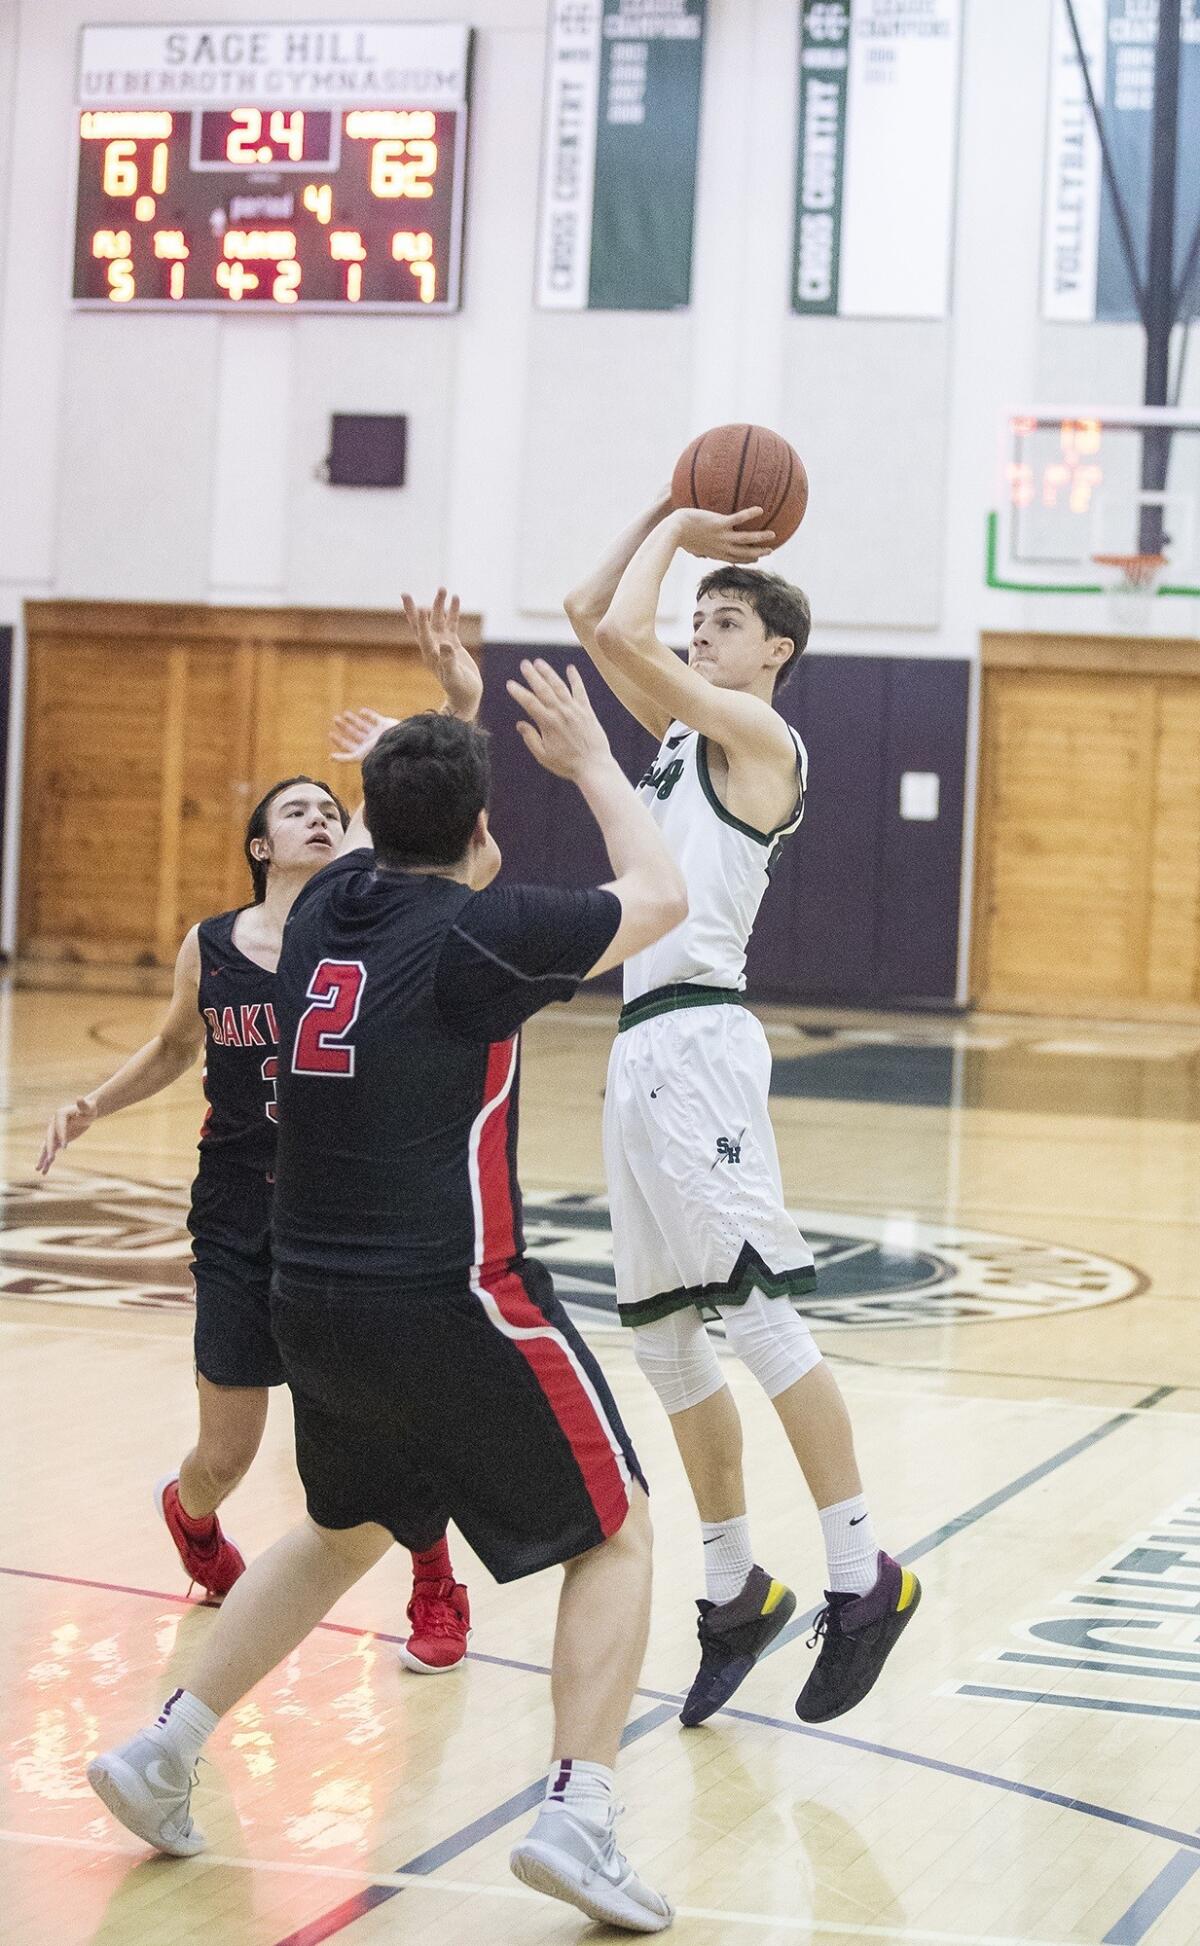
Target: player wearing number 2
pixel 699 1224
pixel 224 1000
pixel 433 1371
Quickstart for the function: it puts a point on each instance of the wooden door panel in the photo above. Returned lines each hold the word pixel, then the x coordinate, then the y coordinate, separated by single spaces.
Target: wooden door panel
pixel 1088 852
pixel 93 771
pixel 1173 959
pixel 1066 765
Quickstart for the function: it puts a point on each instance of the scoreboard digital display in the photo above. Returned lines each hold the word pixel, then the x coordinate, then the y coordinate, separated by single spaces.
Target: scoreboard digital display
pixel 312 167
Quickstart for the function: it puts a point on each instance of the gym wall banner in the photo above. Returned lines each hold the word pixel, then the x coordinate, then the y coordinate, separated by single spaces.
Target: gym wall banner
pixel 876 157
pixel 618 188
pixel 1084 273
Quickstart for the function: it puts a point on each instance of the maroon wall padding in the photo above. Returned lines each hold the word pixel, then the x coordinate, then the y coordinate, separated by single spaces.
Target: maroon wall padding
pixel 863 906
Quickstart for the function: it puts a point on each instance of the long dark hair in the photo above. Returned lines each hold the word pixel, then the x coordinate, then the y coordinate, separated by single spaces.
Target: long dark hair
pixel 257 827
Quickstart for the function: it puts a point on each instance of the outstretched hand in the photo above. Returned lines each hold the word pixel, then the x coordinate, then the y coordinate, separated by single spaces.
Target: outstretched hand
pixel 355 732
pixel 443 654
pixel 736 538
pixel 72 1120
pixel 563 733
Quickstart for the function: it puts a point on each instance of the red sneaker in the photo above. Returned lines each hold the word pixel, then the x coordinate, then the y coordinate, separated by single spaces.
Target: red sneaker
pixel 441 1622
pixel 213 1566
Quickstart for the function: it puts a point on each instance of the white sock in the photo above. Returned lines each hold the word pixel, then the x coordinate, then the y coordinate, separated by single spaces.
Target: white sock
pixel 185 1725
pixel 586 1789
pixel 850 1546
pixel 727 1557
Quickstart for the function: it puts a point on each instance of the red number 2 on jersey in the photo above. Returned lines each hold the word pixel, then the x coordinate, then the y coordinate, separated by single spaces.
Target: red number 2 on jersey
pixel 336 994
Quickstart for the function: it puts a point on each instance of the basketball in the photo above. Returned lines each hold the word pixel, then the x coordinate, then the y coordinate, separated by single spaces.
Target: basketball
pixel 732 467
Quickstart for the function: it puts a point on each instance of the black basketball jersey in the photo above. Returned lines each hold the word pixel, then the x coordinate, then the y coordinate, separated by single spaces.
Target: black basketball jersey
pixel 237 1001
pixel 400 996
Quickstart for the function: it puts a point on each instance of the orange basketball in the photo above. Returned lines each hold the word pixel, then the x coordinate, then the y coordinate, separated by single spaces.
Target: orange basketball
pixel 733 467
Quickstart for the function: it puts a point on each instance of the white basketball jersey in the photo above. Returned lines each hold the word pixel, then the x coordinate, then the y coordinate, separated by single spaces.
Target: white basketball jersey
pixel 725 864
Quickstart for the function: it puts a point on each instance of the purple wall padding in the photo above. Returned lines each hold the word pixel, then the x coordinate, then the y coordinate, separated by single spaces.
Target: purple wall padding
pixel 863 906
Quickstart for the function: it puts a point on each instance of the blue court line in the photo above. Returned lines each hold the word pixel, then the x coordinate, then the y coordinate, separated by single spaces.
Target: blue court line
pixel 427 1862
pixel 989 1505
pixel 1129 1668
pixel 1184 1839
pixel 1174 1711
pixel 1149 1906
pixel 461 1841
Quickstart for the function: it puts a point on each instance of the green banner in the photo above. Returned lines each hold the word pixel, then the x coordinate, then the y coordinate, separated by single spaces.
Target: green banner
pixel 644 196
pixel 821 155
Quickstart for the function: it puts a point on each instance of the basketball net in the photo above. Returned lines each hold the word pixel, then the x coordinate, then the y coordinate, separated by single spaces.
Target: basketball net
pixel 1132 590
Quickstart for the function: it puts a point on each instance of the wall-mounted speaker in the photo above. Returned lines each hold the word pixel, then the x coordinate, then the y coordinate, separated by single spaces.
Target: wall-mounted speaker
pixel 367 449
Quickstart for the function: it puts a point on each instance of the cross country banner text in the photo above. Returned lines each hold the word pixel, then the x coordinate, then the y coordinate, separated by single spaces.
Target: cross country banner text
pixel 618 189
pixel 876 157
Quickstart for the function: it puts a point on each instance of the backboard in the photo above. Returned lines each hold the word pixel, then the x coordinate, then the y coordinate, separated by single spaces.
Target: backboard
pixel 1078 483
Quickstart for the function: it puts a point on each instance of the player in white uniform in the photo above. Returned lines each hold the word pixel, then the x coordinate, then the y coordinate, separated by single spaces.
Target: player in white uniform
pixel 698 1216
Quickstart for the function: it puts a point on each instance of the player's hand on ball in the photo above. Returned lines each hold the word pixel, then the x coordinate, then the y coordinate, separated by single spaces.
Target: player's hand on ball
pixel 65 1124
pixel 736 538
pixel 563 732
pixel 355 733
pixel 443 654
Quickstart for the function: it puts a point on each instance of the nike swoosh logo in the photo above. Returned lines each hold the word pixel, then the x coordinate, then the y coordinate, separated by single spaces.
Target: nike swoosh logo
pixel 859 1521
pixel 161 1785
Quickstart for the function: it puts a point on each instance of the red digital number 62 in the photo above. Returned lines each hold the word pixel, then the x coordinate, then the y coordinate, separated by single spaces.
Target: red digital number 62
pixel 336 994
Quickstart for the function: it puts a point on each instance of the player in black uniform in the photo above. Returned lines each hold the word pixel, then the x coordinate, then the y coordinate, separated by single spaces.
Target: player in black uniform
pixel 434 1373
pixel 224 1000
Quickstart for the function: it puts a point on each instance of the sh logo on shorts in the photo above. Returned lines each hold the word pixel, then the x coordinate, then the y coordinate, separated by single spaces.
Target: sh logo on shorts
pixel 729 1151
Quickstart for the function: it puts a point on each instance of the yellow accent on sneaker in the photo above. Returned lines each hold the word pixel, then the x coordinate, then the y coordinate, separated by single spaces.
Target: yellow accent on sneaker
pixel 908 1588
pixel 775 1594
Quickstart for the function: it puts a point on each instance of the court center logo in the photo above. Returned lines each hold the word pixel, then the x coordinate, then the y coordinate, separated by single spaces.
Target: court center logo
pixel 98 1240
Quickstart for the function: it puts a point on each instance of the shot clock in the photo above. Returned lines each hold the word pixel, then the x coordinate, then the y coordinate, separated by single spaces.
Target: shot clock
pixel 304 167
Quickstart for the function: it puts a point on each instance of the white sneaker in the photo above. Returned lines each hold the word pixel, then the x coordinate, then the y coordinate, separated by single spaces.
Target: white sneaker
pixel 148 1790
pixel 568 1859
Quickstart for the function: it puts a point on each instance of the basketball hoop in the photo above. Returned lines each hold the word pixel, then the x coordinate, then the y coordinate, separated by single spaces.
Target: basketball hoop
pixel 1132 589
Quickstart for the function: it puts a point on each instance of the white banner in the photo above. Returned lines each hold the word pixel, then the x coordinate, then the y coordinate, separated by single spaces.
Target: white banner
pixel 1071 238
pixel 564 246
pixel 237 65
pixel 901 159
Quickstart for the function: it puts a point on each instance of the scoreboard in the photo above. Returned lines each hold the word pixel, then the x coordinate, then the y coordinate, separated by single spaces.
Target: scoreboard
pixel 311 167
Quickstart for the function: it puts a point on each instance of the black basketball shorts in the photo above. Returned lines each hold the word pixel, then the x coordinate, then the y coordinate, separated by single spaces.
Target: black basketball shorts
pixel 481 1405
pixel 230 1222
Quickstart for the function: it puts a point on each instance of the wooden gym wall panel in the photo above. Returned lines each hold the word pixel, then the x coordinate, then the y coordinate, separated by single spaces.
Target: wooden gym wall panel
pixel 94 770
pixel 1174 905
pixel 152 729
pixel 1088 881
pixel 1067 770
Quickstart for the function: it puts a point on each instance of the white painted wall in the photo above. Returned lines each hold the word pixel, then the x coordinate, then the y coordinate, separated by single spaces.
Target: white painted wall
pixel 175 457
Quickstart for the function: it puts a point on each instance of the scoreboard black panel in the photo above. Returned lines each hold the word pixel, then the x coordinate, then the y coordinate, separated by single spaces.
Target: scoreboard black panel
pixel 273 204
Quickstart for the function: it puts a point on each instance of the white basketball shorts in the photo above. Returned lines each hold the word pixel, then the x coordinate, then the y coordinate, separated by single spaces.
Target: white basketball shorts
pixel 693 1172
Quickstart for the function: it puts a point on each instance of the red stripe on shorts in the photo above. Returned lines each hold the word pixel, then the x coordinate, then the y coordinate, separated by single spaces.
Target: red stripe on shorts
pixel 567 1395
pixel 545 1350
pixel 498 1241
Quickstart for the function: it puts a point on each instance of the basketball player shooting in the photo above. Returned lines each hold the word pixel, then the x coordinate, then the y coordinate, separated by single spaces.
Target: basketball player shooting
pixel 698 1217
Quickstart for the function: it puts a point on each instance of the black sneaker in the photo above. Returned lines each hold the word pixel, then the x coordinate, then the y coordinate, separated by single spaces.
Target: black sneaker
pixel 733 1634
pixel 857 1634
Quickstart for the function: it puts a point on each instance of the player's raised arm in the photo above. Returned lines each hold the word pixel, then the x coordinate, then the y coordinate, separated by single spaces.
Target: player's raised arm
pixel 587 605
pixel 565 736
pixel 154 1067
pixel 744 724
pixel 355 732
